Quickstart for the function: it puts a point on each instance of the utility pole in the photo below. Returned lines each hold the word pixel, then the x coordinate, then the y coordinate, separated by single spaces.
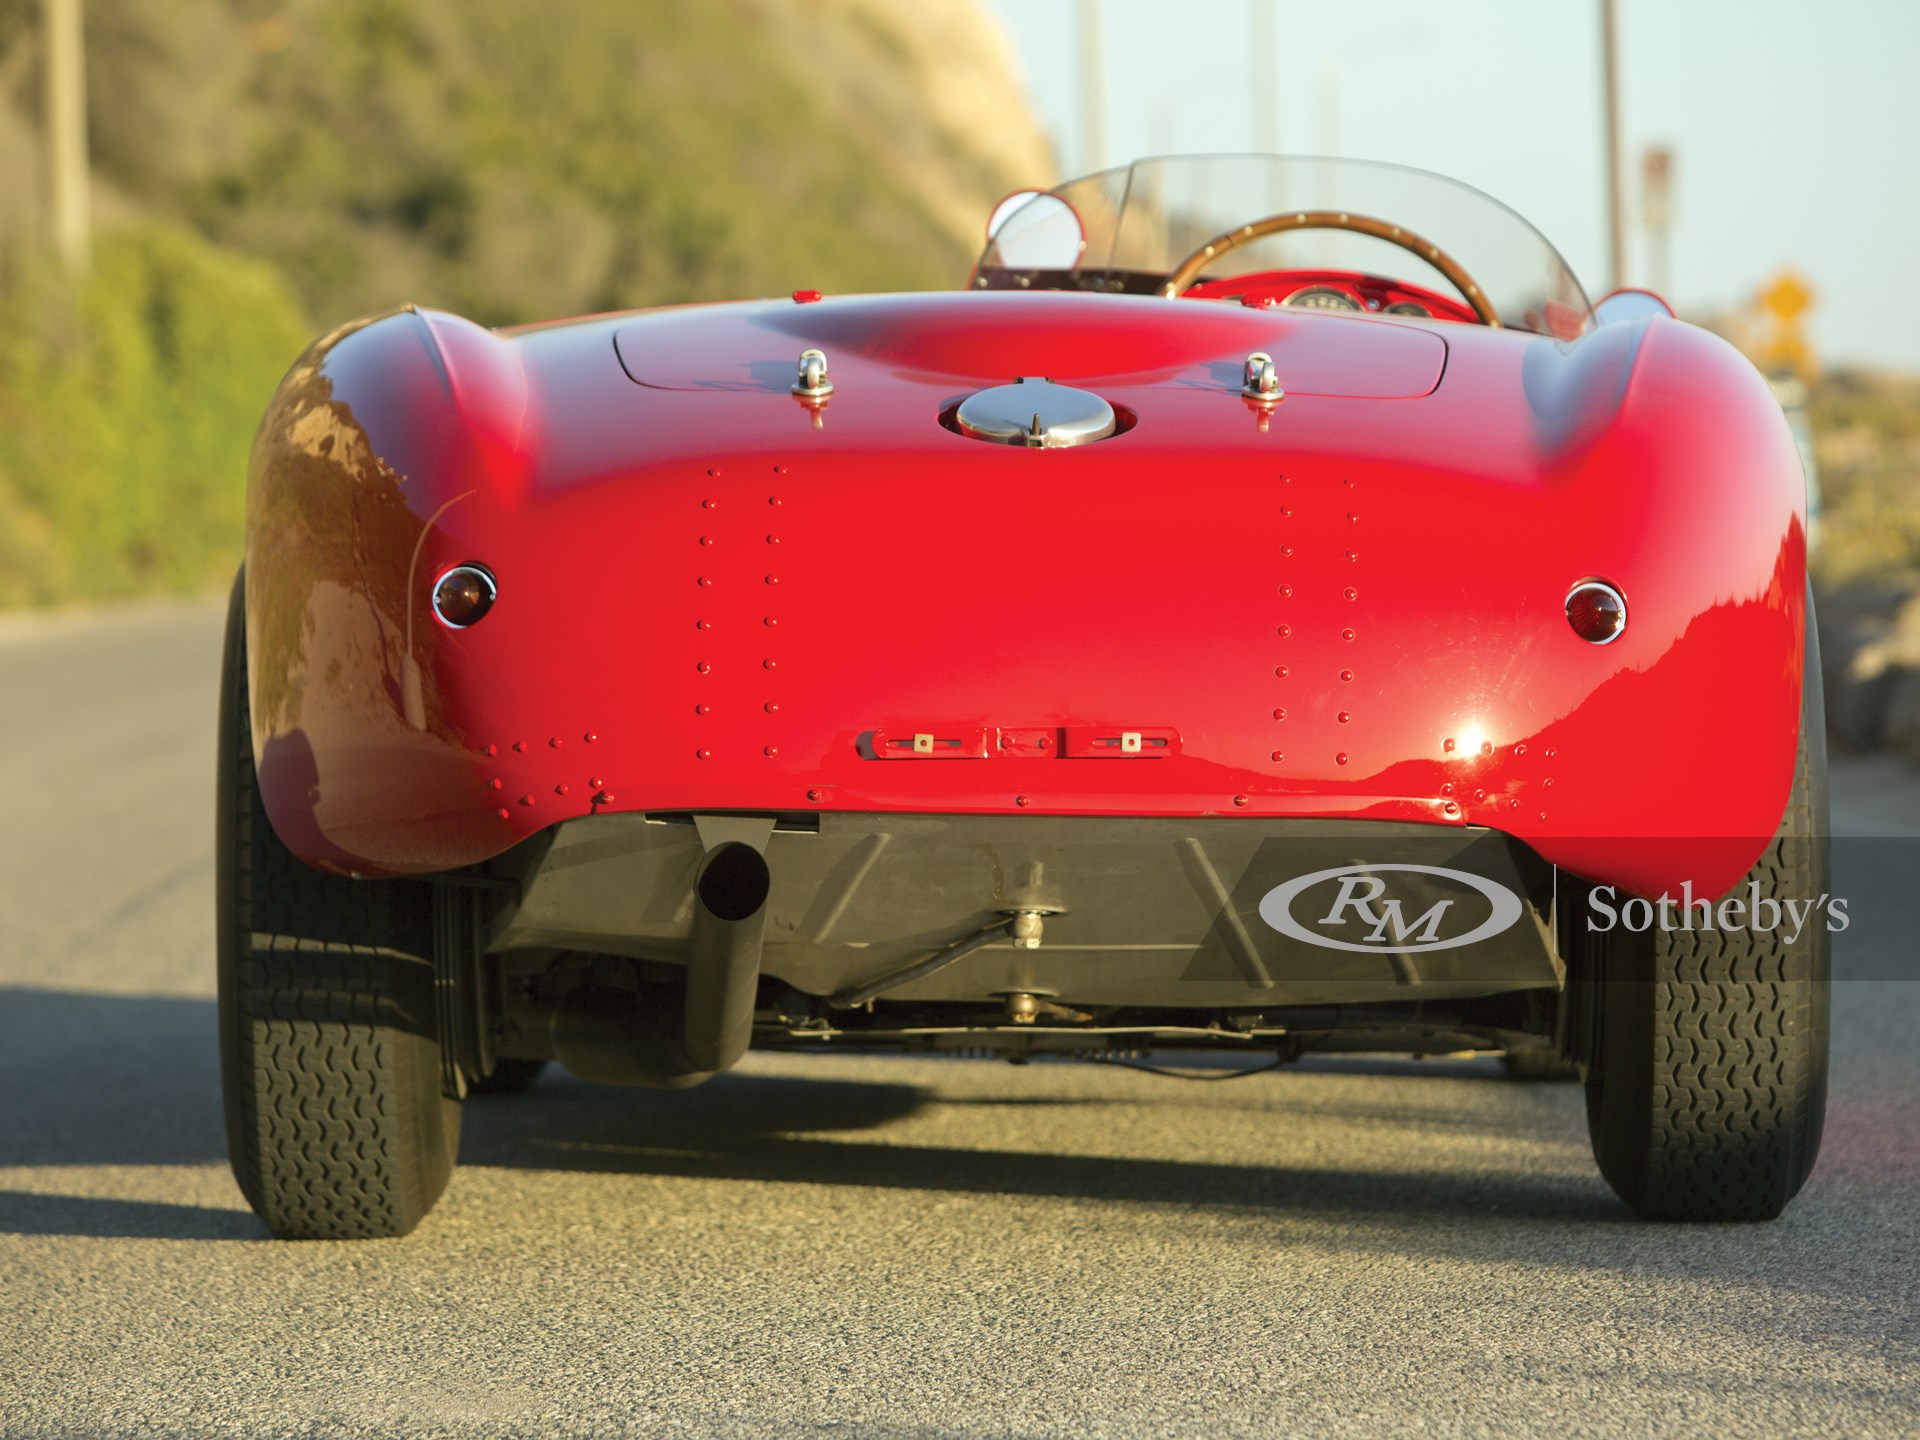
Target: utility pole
pixel 1328 76
pixel 1616 235
pixel 1263 83
pixel 66 84
pixel 1656 212
pixel 1093 95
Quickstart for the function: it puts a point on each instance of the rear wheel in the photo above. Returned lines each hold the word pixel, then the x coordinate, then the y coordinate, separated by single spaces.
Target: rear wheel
pixel 337 1128
pixel 1706 1090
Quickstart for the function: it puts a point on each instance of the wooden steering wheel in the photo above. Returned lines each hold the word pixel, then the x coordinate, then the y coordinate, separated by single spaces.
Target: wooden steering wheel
pixel 1188 270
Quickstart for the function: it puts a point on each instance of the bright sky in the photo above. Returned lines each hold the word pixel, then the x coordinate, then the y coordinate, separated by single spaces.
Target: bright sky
pixel 1794 125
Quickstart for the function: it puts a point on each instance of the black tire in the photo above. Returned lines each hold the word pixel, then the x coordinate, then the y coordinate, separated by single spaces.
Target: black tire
pixel 508 1077
pixel 1707 1088
pixel 330 1070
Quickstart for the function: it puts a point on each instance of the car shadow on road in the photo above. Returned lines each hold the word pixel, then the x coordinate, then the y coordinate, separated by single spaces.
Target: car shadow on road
pixel 96 1217
pixel 129 1081
pixel 116 1081
pixel 700 1134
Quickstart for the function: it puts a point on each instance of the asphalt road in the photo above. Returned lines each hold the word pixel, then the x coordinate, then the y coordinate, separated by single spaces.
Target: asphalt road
pixel 874 1247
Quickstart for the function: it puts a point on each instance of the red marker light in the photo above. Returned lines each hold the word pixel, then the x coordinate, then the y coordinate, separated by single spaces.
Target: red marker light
pixel 805 297
pixel 1597 612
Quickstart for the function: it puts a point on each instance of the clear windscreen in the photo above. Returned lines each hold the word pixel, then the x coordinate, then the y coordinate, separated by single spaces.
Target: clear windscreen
pixel 1140 222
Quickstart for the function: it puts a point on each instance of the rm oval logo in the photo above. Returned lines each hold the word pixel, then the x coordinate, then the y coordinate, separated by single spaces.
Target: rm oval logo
pixel 1356 901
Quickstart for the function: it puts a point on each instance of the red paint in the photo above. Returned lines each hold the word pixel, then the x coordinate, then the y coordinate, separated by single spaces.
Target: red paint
pixel 928 580
pixel 1116 344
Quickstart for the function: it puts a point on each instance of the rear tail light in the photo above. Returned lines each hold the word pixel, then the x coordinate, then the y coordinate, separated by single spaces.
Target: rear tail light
pixel 1596 611
pixel 463 595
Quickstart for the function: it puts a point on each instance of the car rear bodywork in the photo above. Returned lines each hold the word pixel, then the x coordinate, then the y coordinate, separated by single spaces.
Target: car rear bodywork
pixel 716 596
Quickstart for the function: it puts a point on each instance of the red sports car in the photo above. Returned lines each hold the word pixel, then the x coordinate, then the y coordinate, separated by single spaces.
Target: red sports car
pixel 1267 610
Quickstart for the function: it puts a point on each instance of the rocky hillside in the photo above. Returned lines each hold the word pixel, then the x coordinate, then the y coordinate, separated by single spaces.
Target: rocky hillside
pixel 264 169
pixel 514 160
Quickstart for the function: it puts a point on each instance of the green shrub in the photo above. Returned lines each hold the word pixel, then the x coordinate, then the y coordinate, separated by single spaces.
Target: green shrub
pixel 127 403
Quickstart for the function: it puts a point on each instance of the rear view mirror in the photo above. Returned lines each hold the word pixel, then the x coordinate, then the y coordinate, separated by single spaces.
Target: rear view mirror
pixel 1035 230
pixel 1630 303
pixel 1006 209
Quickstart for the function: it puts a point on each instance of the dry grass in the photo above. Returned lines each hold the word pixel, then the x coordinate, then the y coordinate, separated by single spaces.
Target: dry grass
pixel 1866 430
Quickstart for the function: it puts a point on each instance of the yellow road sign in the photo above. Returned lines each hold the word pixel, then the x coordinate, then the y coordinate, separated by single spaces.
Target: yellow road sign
pixel 1787 296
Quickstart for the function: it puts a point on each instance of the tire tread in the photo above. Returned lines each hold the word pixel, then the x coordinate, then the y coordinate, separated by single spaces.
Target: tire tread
pixel 330 1068
pixel 1707 1098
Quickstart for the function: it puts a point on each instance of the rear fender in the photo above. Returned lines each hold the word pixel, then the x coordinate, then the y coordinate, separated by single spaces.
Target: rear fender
pixel 381 430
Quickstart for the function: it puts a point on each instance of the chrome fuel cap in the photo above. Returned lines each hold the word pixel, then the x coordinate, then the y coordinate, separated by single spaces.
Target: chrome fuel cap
pixel 1035 411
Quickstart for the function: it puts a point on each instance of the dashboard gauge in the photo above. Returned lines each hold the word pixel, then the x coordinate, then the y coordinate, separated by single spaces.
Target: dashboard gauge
pixel 1321 297
pixel 1407 307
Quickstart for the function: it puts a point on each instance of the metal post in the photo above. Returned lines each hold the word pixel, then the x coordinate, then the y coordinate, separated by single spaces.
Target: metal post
pixel 1263 85
pixel 1616 234
pixel 1328 78
pixel 66 83
pixel 1093 99
pixel 1656 213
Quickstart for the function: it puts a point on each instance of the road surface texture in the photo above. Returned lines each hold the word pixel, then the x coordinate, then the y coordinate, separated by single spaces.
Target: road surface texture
pixel 875 1247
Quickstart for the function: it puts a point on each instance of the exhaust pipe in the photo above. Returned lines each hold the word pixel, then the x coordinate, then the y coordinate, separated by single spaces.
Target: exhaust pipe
pixel 617 1037
pixel 723 955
